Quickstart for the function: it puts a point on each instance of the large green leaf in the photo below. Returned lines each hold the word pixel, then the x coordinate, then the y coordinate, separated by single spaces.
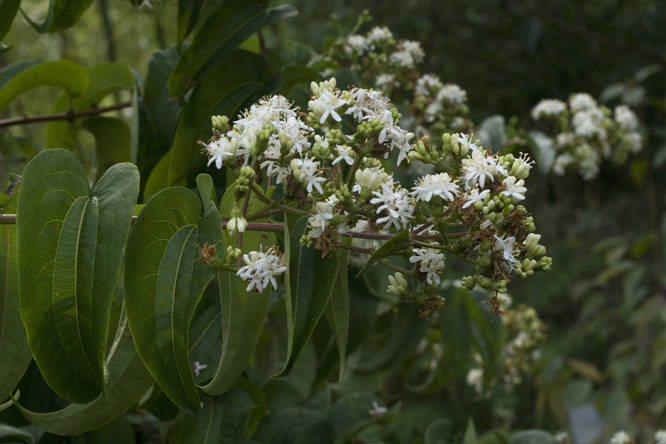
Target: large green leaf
pixel 72 77
pixel 112 137
pixel 243 313
pixel 105 79
pixel 311 281
pixel 61 14
pixel 188 15
pixel 8 10
pixel 237 81
pixel 222 31
pixel 14 348
pixel 164 283
pixel 158 114
pixel 71 246
pixel 128 380
pixel 337 310
pixel 8 72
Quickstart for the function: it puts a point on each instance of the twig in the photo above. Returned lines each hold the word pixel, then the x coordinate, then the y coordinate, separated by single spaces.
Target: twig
pixel 68 115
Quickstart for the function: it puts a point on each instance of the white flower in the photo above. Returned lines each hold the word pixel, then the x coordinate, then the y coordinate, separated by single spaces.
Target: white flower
pixel 478 167
pixel 633 141
pixel 367 104
pixel 426 83
pixel 402 59
pixel 660 436
pixel 514 189
pixel 369 178
pixel 625 118
pixel 414 48
pixel 261 268
pixel 581 101
pixel 548 108
pixel 620 437
pixel 308 173
pixel 452 93
pixel 505 248
pixel 589 122
pixel 466 140
pixel 219 151
pixel 561 162
pixel 385 80
pixel 475 379
pixel 436 185
pixel 326 105
pixel 395 203
pixel 379 34
pixel 432 263
pixel 345 153
pixel 474 197
pixel 318 220
pixel 196 369
pixel 377 410
pixel 561 436
pixel 355 44
pixel 564 139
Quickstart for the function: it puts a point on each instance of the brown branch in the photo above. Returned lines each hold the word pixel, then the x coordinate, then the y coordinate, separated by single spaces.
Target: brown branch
pixel 68 115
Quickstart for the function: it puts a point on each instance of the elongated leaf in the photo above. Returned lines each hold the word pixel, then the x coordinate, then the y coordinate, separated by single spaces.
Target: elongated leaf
pixel 404 334
pixel 392 246
pixel 128 381
pixel 8 72
pixel 243 313
pixel 163 285
pixel 337 310
pixel 188 15
pixel 112 139
pixel 159 112
pixel 311 281
pixel 237 81
pixel 7 431
pixel 8 10
pixel 201 428
pixel 71 77
pixel 105 79
pixel 14 347
pixel 206 188
pixel 226 28
pixel 61 14
pixel 68 273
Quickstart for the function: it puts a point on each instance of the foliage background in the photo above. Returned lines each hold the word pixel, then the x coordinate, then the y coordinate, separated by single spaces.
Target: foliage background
pixel 604 302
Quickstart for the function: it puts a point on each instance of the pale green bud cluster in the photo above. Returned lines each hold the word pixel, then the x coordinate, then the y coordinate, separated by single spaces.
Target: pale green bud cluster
pixel 220 123
pixel 326 85
pixel 398 286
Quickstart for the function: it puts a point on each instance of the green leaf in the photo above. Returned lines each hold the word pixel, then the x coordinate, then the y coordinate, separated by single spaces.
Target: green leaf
pixel 392 246
pixel 337 310
pixel 8 10
pixel 532 437
pixel 237 81
pixel 7 431
pixel 70 76
pixel 439 431
pixel 491 132
pixel 77 253
pixel 544 150
pixel 260 404
pixel 112 139
pixel 405 332
pixel 164 283
pixel 188 15
pixel 222 31
pixel 105 79
pixel 61 15
pixel 311 282
pixel 470 433
pixel 206 188
pixel 8 72
pixel 128 381
pixel 243 313
pixel 292 75
pixel 14 347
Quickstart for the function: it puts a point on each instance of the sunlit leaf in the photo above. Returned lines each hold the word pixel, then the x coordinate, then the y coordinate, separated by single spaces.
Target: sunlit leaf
pixel 70 76
pixel 60 15
pixel 8 10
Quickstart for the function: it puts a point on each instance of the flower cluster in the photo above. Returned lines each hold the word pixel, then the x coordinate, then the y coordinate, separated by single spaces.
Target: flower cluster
pixel 329 161
pixel 261 268
pixel 587 133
